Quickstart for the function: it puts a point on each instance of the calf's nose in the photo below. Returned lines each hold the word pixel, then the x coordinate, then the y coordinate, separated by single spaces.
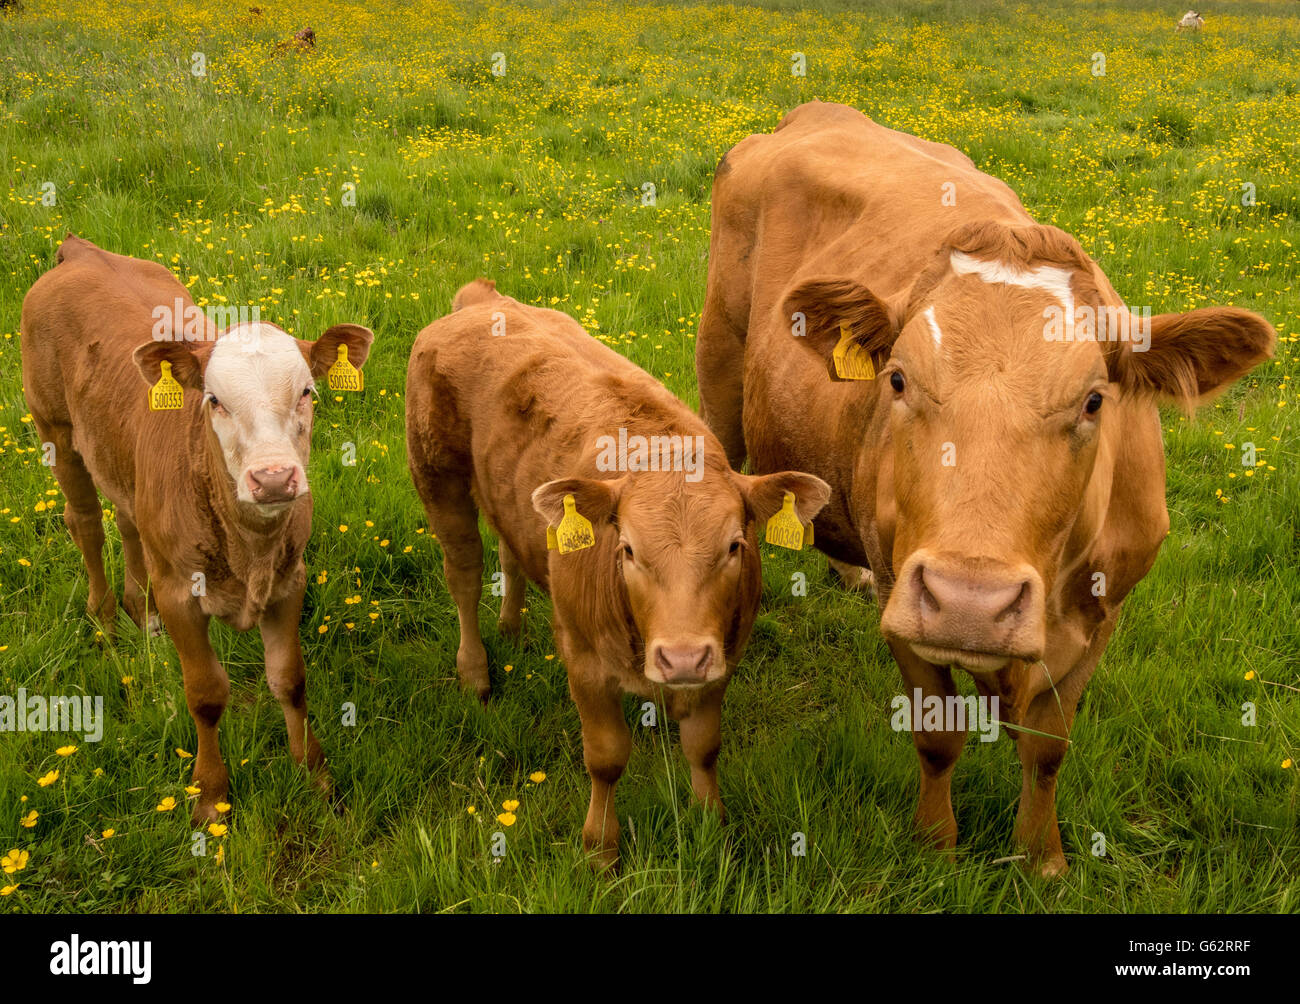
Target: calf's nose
pixel 273 484
pixel 684 663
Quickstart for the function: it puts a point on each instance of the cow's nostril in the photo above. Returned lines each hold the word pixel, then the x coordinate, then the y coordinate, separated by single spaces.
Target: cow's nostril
pixel 1016 607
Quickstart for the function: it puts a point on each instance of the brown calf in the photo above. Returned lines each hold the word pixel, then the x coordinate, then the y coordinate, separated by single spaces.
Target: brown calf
pixel 996 459
pixel 211 498
pixel 513 409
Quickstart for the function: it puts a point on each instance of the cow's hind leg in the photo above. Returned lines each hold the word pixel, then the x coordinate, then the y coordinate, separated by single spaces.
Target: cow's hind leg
pixel 512 599
pixel 84 517
pixel 720 369
pixel 454 519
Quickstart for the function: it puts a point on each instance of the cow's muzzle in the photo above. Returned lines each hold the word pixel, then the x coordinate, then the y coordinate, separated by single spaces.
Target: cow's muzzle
pixel 274 485
pixel 978 613
pixel 684 662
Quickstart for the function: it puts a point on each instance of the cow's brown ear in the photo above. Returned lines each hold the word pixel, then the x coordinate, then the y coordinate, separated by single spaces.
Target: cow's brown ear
pixel 765 494
pixel 596 500
pixel 324 350
pixel 1190 357
pixel 187 362
pixel 819 307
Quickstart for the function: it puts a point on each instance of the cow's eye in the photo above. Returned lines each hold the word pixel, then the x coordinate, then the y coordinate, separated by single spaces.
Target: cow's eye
pixel 1093 404
pixel 627 552
pixel 897 382
pixel 216 405
pixel 735 547
pixel 306 392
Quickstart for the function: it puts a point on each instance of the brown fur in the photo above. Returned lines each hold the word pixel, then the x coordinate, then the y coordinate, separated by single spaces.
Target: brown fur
pixel 846 220
pixel 508 424
pixel 87 353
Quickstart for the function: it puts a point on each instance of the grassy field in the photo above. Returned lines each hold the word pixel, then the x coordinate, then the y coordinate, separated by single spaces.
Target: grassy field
pixel 236 179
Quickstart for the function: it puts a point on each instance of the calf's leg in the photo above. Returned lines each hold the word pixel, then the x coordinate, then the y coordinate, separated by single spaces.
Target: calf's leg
pixel 286 675
pixel 937 751
pixel 606 746
pixel 701 732
pixel 135 597
pixel 512 601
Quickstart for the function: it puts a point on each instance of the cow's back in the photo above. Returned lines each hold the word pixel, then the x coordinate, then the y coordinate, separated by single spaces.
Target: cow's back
pixel 81 321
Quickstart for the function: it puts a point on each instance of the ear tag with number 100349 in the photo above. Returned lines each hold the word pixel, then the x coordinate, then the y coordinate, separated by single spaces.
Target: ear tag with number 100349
pixel 852 361
pixel 343 375
pixel 574 532
pixel 784 529
pixel 167 394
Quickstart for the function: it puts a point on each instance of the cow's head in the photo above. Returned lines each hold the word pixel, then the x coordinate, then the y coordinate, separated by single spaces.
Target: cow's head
pixel 257 384
pixel 997 399
pixel 687 553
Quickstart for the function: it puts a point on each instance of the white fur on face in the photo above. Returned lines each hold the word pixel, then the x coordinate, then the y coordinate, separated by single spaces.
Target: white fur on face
pixel 1050 279
pixel 935 333
pixel 256 376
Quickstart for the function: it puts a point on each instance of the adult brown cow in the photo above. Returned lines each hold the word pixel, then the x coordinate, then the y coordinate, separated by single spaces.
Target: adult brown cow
pixel 211 496
pixel 515 410
pixel 997 463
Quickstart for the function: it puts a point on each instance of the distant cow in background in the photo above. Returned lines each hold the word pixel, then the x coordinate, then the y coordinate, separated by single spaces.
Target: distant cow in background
pixel 210 493
pixel 1191 20
pixel 886 316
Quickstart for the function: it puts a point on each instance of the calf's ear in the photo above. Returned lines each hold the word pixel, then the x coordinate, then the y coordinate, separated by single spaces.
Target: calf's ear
pixel 1191 357
pixel 186 361
pixel 765 494
pixel 324 351
pixel 819 307
pixel 595 500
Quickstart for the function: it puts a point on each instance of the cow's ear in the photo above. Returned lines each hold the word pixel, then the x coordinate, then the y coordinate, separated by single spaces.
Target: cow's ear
pixel 595 500
pixel 186 361
pixel 1190 357
pixel 324 351
pixel 765 494
pixel 819 308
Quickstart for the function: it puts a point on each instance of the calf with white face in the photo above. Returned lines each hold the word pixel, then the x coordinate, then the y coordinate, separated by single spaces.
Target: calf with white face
pixel 211 497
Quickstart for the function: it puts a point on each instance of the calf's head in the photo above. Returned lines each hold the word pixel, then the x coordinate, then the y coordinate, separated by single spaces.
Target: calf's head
pixel 257 383
pixel 685 552
pixel 1000 374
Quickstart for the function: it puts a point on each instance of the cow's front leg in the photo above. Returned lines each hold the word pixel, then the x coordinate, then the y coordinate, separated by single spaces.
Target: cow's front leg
pixel 701 730
pixel 286 675
pixel 606 746
pixel 207 691
pixel 937 750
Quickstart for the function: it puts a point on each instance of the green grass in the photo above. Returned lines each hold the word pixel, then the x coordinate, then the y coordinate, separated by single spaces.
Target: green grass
pixel 534 179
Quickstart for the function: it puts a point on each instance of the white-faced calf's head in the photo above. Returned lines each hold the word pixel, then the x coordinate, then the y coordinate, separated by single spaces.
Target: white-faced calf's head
pixel 257 384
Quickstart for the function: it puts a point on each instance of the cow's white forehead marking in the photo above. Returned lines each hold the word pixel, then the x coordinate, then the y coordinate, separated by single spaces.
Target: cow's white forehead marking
pixel 935 333
pixel 255 354
pixel 1050 279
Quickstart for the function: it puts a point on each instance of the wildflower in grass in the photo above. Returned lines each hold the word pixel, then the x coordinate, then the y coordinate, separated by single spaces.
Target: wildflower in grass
pixel 322 629
pixel 193 789
pixel 510 804
pixel 24 562
pixel 224 806
pixel 1250 674
pixel 537 776
pixel 48 779
pixel 343 528
pixel 29 820
pixel 98 772
pixel 506 818
pixel 471 810
pixel 166 805
pixel 8 890
pixel 1286 764
pixel 14 861
pixel 109 834
pixel 183 754
pixel 320 579
pixel 217 829
pixel 549 657
pixel 509 669
pixel 220 856
pixel 66 750
pixel 128 680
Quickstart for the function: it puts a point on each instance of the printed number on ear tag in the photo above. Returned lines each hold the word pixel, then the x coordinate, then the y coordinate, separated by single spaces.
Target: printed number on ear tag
pixel 852 361
pixel 166 394
pixel 574 532
pixel 784 529
pixel 343 375
pixel 551 543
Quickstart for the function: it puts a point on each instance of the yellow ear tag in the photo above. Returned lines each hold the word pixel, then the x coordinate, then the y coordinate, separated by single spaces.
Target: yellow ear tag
pixel 166 394
pixel 784 529
pixel 343 375
pixel 808 533
pixel 852 361
pixel 551 543
pixel 574 532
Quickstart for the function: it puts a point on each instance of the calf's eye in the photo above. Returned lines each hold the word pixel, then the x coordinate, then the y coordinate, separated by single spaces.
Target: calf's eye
pixel 627 551
pixel 735 547
pixel 306 392
pixel 1093 404
pixel 897 382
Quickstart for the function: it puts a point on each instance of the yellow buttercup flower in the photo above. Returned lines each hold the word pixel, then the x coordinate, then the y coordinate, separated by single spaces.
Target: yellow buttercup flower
pixel 29 820
pixel 14 861
pixel 166 805
pixel 48 779
pixel 506 819
pixel 510 804
pixel 537 777
pixel 66 750
pixel 217 829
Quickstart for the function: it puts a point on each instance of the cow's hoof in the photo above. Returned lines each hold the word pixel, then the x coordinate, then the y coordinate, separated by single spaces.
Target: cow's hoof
pixel 512 629
pixel 1053 867
pixel 205 812
pixel 603 859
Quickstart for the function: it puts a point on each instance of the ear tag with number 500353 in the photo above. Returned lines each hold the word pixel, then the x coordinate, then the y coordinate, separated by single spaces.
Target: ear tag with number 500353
pixel 852 361
pixel 343 375
pixel 574 532
pixel 167 394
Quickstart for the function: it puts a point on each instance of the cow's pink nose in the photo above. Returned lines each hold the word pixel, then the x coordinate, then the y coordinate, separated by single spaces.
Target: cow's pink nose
pixel 941 606
pixel 273 484
pixel 684 663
